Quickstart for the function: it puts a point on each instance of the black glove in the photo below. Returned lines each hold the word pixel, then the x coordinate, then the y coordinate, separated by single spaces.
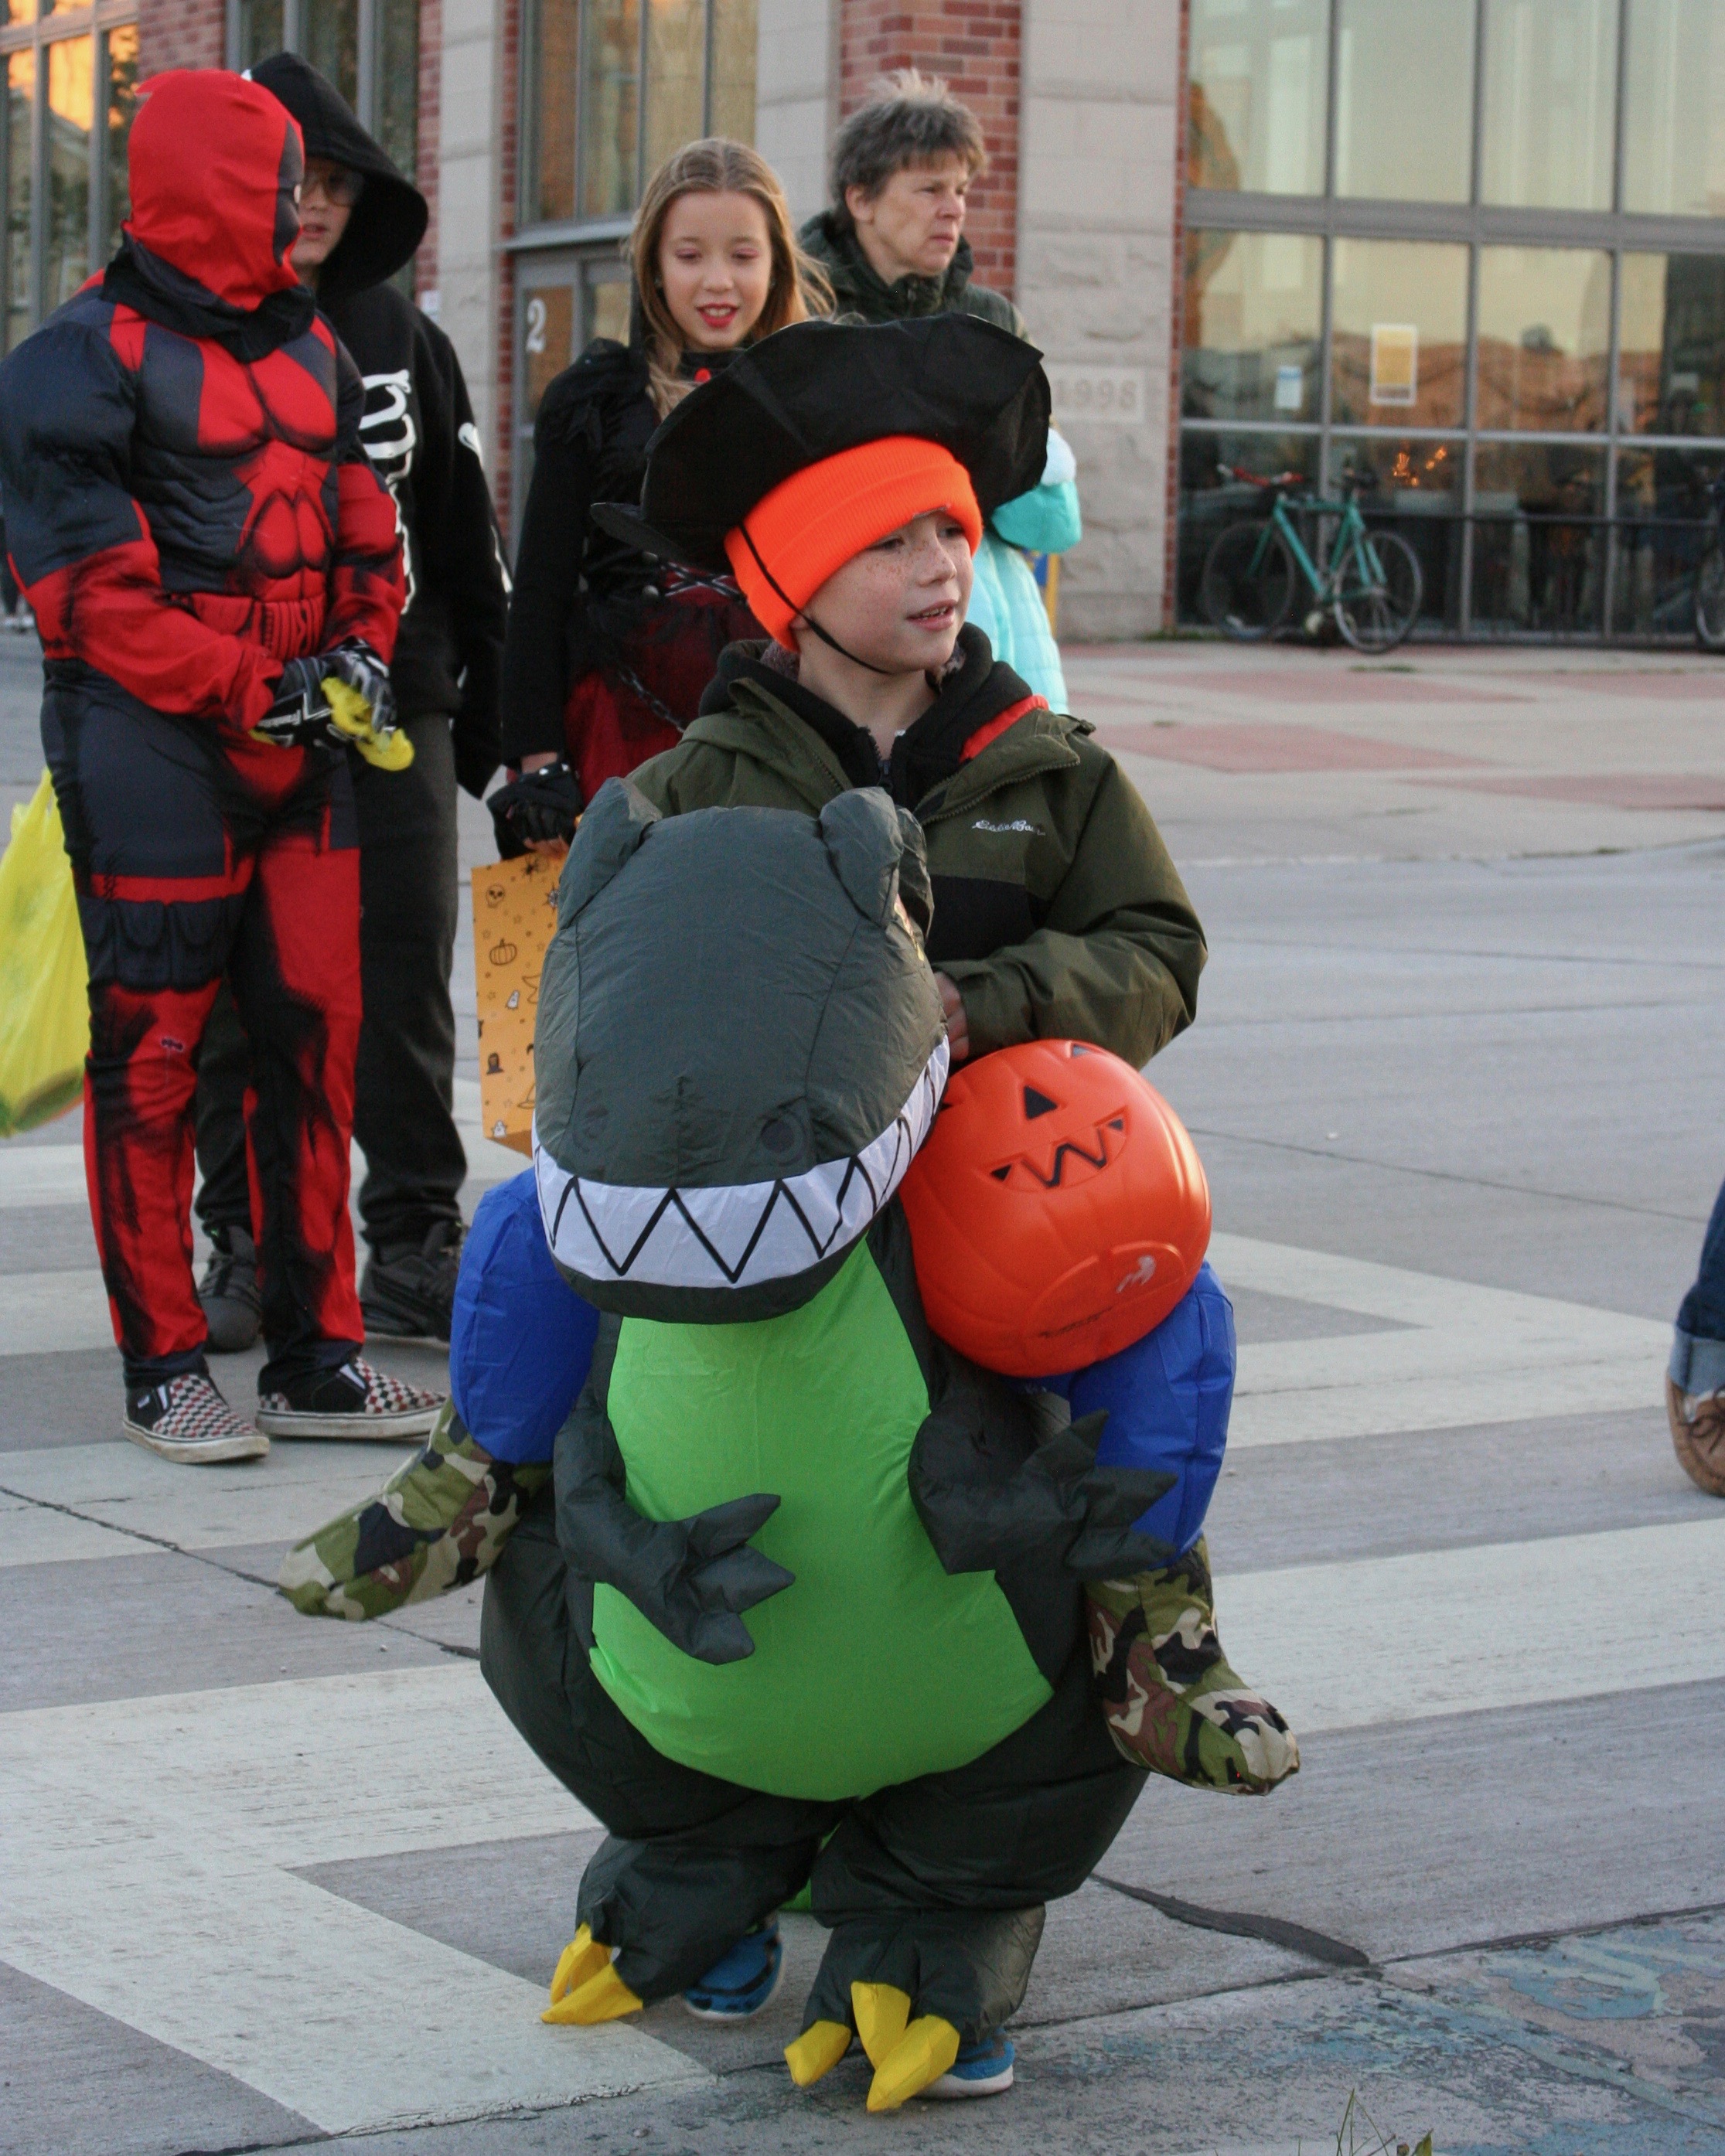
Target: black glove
pixel 539 806
pixel 980 1511
pixel 690 1579
pixel 360 667
pixel 299 716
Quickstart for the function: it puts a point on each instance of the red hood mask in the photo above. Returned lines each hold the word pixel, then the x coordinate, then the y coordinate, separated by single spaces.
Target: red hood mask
pixel 216 163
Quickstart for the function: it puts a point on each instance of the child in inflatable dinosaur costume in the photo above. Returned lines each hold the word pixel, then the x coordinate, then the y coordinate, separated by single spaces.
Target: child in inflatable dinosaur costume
pixel 740 1047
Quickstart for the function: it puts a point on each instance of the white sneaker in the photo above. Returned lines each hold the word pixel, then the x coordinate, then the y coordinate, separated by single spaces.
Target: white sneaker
pixel 186 1418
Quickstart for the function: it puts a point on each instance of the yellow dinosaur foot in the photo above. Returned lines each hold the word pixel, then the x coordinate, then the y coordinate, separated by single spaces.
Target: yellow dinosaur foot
pixel 924 2052
pixel 586 1989
pixel 881 2012
pixel 816 2051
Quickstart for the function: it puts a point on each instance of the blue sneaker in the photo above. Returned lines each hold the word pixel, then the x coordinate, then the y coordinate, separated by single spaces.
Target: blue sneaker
pixel 742 1981
pixel 983 2069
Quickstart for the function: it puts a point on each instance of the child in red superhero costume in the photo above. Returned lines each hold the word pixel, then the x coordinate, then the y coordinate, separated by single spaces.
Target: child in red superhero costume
pixel 193 519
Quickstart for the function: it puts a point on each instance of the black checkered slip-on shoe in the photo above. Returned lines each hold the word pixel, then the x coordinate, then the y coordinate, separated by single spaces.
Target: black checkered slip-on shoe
pixel 187 1419
pixel 352 1401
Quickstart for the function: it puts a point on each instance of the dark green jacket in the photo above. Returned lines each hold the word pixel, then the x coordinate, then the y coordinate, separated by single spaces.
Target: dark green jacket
pixel 859 289
pixel 1057 911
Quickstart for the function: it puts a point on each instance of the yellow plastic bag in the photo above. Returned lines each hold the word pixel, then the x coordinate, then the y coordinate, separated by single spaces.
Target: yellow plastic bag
pixel 45 999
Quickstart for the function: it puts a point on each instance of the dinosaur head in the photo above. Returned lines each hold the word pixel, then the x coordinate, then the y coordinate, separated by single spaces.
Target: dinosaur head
pixel 740 1048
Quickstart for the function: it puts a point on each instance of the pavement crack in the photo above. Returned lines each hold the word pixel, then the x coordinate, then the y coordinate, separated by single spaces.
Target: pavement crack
pixel 1273 1930
pixel 216 1564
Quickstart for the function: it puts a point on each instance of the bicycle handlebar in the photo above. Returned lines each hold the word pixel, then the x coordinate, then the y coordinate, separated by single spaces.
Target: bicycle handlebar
pixel 1256 479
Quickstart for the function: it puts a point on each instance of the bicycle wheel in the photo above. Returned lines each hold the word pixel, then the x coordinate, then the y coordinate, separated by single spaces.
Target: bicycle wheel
pixel 1710 599
pixel 1380 591
pixel 1248 582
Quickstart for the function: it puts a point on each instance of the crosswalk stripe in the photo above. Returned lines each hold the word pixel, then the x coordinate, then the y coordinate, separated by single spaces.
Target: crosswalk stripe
pixel 152 1847
pixel 1469 1354
pixel 1467 1631
pixel 151 1842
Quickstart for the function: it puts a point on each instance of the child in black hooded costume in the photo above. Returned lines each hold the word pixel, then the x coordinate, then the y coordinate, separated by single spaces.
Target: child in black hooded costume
pixel 418 430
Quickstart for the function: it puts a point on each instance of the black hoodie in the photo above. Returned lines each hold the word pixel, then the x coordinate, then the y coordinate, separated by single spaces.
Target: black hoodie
pixel 418 429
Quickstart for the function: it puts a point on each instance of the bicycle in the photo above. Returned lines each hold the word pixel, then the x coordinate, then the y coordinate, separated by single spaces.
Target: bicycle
pixel 1710 575
pixel 1371 581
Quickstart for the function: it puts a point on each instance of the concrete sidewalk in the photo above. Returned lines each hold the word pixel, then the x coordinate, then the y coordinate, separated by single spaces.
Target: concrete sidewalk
pixel 269 1880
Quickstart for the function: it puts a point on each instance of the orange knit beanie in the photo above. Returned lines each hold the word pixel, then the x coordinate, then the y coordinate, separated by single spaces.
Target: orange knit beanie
pixel 818 519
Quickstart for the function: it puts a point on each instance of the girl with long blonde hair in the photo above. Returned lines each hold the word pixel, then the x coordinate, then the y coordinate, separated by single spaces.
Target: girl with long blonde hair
pixel 607 653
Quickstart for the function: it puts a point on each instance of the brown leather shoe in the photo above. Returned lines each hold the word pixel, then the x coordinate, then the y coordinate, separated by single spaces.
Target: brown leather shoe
pixel 1698 1433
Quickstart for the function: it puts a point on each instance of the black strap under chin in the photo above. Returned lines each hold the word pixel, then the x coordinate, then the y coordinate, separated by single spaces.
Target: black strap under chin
pixel 831 642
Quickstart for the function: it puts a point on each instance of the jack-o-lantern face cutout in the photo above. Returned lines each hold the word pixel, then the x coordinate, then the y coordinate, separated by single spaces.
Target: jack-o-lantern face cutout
pixel 1058 1210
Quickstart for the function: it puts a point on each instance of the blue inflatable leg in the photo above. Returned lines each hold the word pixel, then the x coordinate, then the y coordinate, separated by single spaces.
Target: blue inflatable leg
pixel 1167 1398
pixel 521 1340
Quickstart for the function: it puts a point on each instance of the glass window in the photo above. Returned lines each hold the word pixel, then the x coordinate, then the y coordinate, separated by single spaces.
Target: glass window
pixel 1662 510
pixel 609 107
pixel 397 117
pixel 735 25
pixel 1405 100
pixel 123 73
pixel 1259 74
pixel 1674 117
pixel 548 194
pixel 547 339
pixel 329 38
pixel 20 108
pixel 1208 501
pixel 1397 333
pixel 676 76
pixel 71 112
pixel 260 31
pixel 1544 338
pixel 1671 345
pixel 1252 315
pixel 1539 553
pixel 1415 490
pixel 1550 116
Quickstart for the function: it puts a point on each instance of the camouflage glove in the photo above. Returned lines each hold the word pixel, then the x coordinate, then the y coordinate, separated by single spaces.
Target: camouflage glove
pixel 1171 1701
pixel 438 1522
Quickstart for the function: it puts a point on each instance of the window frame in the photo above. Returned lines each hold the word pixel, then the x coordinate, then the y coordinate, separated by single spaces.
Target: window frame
pixel 369 32
pixel 1475 224
pixel 579 230
pixel 96 22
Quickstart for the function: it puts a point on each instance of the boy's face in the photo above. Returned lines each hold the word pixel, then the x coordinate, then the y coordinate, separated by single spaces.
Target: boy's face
pixel 913 226
pixel 900 603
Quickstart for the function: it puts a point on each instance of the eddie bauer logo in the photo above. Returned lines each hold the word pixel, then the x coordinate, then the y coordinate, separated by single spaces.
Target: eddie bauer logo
pixel 1141 1274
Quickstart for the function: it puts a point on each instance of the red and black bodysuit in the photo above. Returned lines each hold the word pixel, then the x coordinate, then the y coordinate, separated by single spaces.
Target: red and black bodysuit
pixel 188 506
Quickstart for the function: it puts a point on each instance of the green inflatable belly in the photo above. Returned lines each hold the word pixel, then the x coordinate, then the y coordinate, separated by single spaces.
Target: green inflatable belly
pixel 876 1665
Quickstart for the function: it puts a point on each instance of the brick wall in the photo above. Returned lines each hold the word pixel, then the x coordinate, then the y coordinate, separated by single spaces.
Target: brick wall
pixel 509 132
pixel 974 44
pixel 431 38
pixel 173 33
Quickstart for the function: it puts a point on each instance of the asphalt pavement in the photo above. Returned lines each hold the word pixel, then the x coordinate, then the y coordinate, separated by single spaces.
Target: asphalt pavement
pixel 266 1881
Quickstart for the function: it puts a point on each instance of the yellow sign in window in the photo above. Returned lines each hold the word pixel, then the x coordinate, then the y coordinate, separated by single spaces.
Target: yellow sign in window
pixel 1395 363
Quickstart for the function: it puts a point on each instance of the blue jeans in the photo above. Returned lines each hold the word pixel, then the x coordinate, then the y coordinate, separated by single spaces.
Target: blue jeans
pixel 1697 1364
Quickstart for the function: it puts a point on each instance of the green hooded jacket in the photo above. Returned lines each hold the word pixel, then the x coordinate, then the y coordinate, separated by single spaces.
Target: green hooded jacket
pixel 859 289
pixel 1057 911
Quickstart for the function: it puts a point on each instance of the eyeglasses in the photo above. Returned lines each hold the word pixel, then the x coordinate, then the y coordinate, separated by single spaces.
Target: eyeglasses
pixel 339 186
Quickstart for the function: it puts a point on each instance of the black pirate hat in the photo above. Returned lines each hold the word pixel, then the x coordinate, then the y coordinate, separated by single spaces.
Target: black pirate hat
pixel 815 389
